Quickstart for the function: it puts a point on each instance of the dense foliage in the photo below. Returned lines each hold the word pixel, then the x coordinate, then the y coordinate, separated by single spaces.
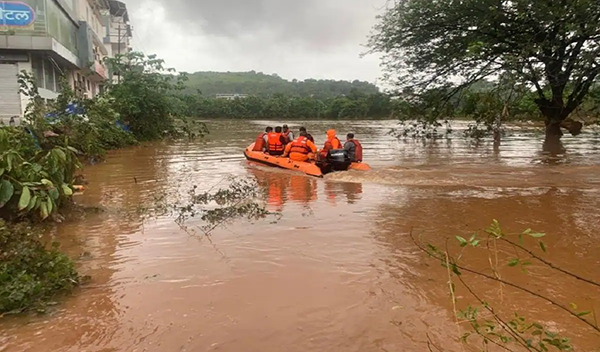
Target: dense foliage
pixel 31 274
pixel 550 46
pixel 33 182
pixel 251 83
pixel 353 106
pixel 144 94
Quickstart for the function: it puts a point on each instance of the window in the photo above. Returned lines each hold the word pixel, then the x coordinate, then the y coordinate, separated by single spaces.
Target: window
pixel 58 75
pixel 37 66
pixel 49 75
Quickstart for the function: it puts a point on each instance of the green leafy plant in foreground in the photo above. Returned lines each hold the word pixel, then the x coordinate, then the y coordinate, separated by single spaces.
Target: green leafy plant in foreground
pixel 488 327
pixel 34 181
pixel 31 275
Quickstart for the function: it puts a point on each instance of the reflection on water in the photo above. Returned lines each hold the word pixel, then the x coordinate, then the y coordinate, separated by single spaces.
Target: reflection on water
pixel 338 272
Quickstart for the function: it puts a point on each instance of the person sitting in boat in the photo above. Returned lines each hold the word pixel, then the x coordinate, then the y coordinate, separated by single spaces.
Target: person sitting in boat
pixel 308 135
pixel 277 143
pixel 332 142
pixel 262 141
pixel 354 148
pixel 287 134
pixel 301 149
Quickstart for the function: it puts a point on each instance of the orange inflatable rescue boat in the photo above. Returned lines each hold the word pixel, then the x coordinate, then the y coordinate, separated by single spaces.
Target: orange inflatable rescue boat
pixel 309 168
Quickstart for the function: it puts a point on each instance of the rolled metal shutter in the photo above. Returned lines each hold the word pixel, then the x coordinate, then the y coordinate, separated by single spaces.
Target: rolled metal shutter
pixel 10 101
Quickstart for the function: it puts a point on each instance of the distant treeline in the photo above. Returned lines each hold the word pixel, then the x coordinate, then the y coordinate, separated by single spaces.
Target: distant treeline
pixel 484 102
pixel 209 84
pixel 354 106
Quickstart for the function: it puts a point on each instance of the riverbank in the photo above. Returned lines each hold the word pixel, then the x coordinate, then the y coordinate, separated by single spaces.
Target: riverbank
pixel 41 163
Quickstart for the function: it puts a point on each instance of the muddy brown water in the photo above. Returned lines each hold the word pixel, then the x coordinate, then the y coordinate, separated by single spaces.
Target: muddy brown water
pixel 339 271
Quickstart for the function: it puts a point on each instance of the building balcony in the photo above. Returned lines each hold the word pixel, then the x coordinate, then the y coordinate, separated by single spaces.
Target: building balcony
pixel 100 69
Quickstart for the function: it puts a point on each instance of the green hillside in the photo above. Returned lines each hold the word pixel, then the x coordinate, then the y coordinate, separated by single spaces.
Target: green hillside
pixel 258 83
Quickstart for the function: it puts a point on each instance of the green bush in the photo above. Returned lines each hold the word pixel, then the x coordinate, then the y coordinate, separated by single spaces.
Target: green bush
pixel 144 95
pixel 31 274
pixel 33 182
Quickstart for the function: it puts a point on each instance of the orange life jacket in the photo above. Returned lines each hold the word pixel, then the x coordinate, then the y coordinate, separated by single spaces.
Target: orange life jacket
pixel 358 154
pixel 332 144
pixel 299 146
pixel 259 145
pixel 336 144
pixel 275 144
pixel 286 135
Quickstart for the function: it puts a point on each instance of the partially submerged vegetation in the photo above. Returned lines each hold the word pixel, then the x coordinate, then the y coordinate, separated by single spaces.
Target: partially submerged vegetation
pixel 31 274
pixel 39 161
pixel 483 326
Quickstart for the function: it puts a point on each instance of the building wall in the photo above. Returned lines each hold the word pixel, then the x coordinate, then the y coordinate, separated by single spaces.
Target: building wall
pixel 59 54
pixel 50 20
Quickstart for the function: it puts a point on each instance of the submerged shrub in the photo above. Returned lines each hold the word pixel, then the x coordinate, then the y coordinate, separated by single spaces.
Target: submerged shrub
pixel 30 274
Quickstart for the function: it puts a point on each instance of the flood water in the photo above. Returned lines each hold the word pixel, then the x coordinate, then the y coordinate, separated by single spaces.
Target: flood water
pixel 338 271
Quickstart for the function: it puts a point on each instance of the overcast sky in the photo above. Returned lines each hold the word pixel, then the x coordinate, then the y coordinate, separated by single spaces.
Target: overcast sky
pixel 293 38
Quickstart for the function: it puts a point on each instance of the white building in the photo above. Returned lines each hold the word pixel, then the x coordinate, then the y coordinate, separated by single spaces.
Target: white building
pixel 54 38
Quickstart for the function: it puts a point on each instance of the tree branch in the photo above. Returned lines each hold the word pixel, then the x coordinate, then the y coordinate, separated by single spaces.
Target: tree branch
pixel 591 282
pixel 549 300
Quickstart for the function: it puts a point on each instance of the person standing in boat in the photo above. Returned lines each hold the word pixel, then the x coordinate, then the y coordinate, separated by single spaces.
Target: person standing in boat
pixel 301 149
pixel 262 141
pixel 332 142
pixel 287 134
pixel 276 142
pixel 308 135
pixel 354 148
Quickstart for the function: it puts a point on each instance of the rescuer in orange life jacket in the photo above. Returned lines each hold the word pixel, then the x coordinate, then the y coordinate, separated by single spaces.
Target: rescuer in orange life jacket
pixel 262 141
pixel 354 148
pixel 308 135
pixel 276 142
pixel 287 134
pixel 332 142
pixel 301 149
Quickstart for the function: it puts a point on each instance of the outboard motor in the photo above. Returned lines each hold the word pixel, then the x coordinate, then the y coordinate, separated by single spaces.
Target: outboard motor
pixel 338 160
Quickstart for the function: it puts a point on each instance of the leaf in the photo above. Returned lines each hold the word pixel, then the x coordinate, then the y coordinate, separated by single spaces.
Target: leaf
pixel 513 262
pixel 473 238
pixel 61 155
pixel 47 182
pixel 53 192
pixel 6 192
pixel 527 232
pixel 36 167
pixel 536 333
pixel 73 150
pixel 455 270
pixel 475 243
pixel 32 203
pixel 1 171
pixel 25 198
pixel 67 190
pixel 462 241
pixel 537 326
pixel 543 246
pixel 49 205
pixel 537 235
pixel 583 313
pixel 9 161
pixel 44 211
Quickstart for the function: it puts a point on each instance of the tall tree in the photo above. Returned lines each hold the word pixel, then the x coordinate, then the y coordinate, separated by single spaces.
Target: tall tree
pixel 552 45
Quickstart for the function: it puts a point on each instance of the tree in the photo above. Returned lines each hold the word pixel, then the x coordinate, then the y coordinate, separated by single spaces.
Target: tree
pixel 143 94
pixel 552 45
